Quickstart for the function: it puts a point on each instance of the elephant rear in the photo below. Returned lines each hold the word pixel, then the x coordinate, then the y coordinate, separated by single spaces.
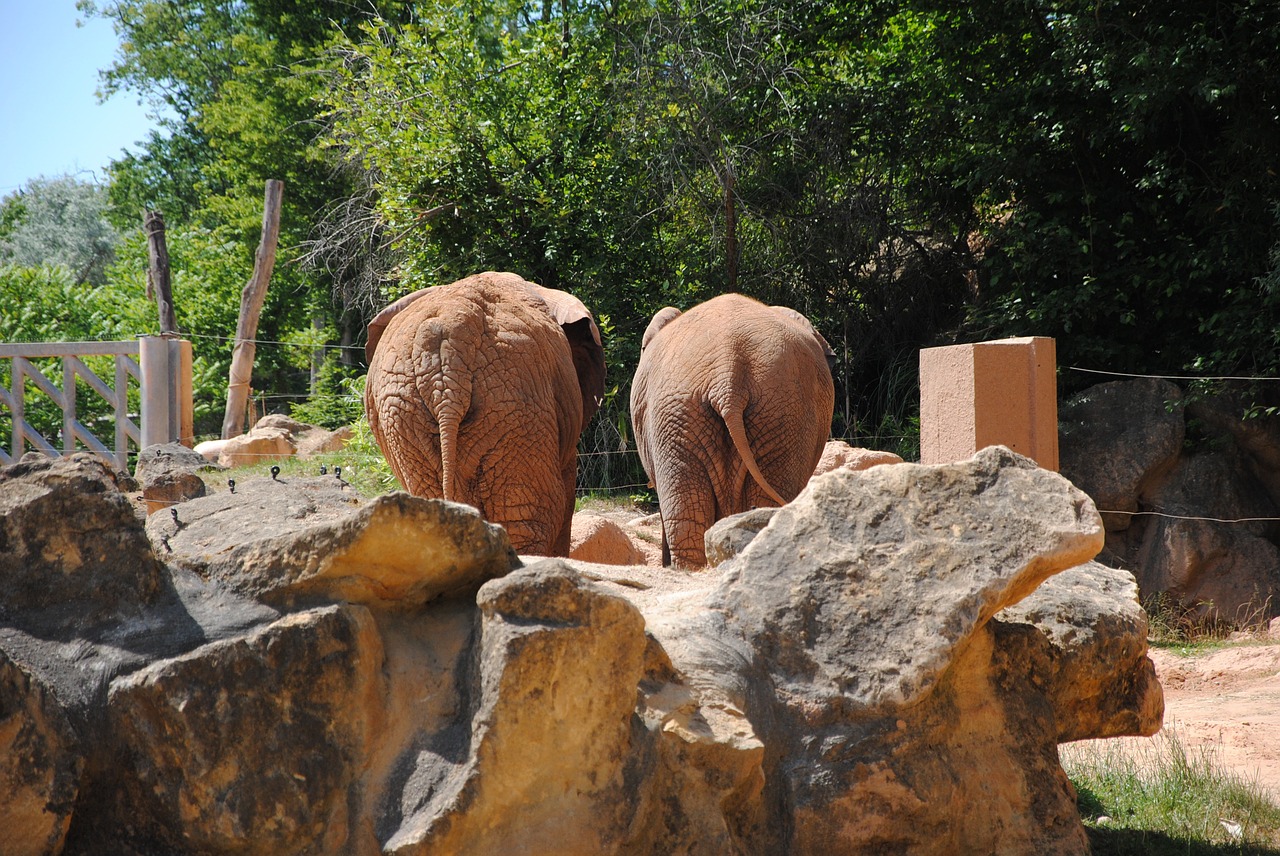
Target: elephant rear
pixel 473 396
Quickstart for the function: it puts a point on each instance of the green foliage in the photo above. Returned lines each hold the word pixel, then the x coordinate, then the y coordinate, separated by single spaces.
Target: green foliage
pixel 905 173
pixel 47 305
pixel 58 221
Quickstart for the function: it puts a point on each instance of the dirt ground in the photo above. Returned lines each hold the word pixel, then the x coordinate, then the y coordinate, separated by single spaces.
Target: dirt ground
pixel 1225 703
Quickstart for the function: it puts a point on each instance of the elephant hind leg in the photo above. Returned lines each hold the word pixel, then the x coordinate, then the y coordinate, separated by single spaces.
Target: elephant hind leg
pixel 687 513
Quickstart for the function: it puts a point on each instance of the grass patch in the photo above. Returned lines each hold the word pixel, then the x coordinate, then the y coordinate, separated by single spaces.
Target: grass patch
pixel 1161 798
pixel 1189 631
pixel 361 463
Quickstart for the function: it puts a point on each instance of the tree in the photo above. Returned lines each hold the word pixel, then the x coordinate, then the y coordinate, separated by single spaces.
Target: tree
pixel 59 222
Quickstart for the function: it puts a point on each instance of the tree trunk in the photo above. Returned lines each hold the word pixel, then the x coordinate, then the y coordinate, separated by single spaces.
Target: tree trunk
pixel 730 224
pixel 251 299
pixel 159 287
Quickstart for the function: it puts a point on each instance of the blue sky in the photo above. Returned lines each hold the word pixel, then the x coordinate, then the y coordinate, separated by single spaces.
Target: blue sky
pixel 50 120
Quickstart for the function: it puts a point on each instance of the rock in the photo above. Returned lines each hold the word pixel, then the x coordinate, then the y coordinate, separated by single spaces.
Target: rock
pixel 729 536
pixel 843 678
pixel 170 474
pixel 211 450
pixel 1229 571
pixel 72 552
pixel 283 423
pixel 40 765
pixel 1116 439
pixel 288 541
pixel 900 547
pixel 258 446
pixel 550 766
pixel 1103 682
pixel 868 745
pixel 318 441
pixel 274 437
pixel 252 745
pixel 838 453
pixel 598 539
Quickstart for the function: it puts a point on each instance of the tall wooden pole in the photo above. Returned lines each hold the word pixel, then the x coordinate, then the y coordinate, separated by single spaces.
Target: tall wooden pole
pixel 159 286
pixel 251 299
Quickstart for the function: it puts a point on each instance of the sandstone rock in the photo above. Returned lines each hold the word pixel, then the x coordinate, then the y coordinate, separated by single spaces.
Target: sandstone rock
pixel 839 685
pixel 259 445
pixel 40 765
pixel 598 539
pixel 550 755
pixel 283 423
pixel 898 548
pixel 170 474
pixel 1116 439
pixel 72 552
pixel 211 450
pixel 1103 682
pixel 319 441
pixel 285 541
pixel 868 744
pixel 838 453
pixel 252 745
pixel 730 535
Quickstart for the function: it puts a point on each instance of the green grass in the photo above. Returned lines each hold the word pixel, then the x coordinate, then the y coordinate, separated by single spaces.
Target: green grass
pixel 1162 798
pixel 362 463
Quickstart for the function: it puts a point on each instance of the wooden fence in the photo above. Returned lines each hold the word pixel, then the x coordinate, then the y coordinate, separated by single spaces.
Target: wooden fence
pixel 160 366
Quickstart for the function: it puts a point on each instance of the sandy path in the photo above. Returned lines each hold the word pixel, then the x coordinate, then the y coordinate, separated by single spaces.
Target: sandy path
pixel 1226 703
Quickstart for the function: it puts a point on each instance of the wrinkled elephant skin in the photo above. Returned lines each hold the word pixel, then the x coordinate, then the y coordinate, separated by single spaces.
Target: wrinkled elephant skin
pixel 477 392
pixel 731 406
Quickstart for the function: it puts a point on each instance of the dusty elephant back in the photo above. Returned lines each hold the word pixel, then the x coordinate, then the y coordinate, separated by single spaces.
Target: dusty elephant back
pixel 727 358
pixel 473 397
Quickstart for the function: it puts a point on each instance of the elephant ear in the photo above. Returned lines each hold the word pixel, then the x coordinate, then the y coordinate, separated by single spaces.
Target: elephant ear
pixel 378 325
pixel 788 312
pixel 661 318
pixel 585 344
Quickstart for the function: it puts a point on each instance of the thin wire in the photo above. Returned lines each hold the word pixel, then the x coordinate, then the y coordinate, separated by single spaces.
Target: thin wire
pixel 1192 517
pixel 1167 377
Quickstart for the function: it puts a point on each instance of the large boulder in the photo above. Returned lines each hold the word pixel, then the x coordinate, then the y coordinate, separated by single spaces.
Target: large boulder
pixel 171 473
pixel 251 745
pixel 1189 493
pixel 72 552
pixel 334 675
pixel 40 765
pixel 289 541
pixel 1116 439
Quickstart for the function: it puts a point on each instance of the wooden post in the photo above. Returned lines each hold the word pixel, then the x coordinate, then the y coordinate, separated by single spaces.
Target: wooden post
pixel 159 286
pixel 251 299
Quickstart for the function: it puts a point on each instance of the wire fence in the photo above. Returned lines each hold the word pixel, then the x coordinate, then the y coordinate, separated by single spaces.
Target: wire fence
pixel 608 461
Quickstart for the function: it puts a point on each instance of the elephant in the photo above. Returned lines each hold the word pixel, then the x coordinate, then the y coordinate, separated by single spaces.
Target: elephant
pixel 477 392
pixel 731 405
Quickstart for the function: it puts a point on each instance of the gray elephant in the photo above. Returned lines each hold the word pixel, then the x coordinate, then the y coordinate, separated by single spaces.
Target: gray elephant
pixel 477 393
pixel 731 406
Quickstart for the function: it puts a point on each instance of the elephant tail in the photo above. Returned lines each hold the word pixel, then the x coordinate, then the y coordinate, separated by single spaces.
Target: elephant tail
pixel 449 398
pixel 449 421
pixel 731 413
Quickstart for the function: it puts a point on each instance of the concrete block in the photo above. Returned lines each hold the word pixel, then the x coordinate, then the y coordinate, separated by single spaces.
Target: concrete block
pixel 1003 392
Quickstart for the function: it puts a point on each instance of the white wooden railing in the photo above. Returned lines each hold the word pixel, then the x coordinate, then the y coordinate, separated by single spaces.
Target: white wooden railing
pixel 161 367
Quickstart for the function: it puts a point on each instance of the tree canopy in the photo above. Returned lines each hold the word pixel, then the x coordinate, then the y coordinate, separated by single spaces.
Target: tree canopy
pixel 906 172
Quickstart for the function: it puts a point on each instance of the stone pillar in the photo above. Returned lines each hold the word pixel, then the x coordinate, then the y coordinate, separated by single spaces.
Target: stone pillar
pixel 989 393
